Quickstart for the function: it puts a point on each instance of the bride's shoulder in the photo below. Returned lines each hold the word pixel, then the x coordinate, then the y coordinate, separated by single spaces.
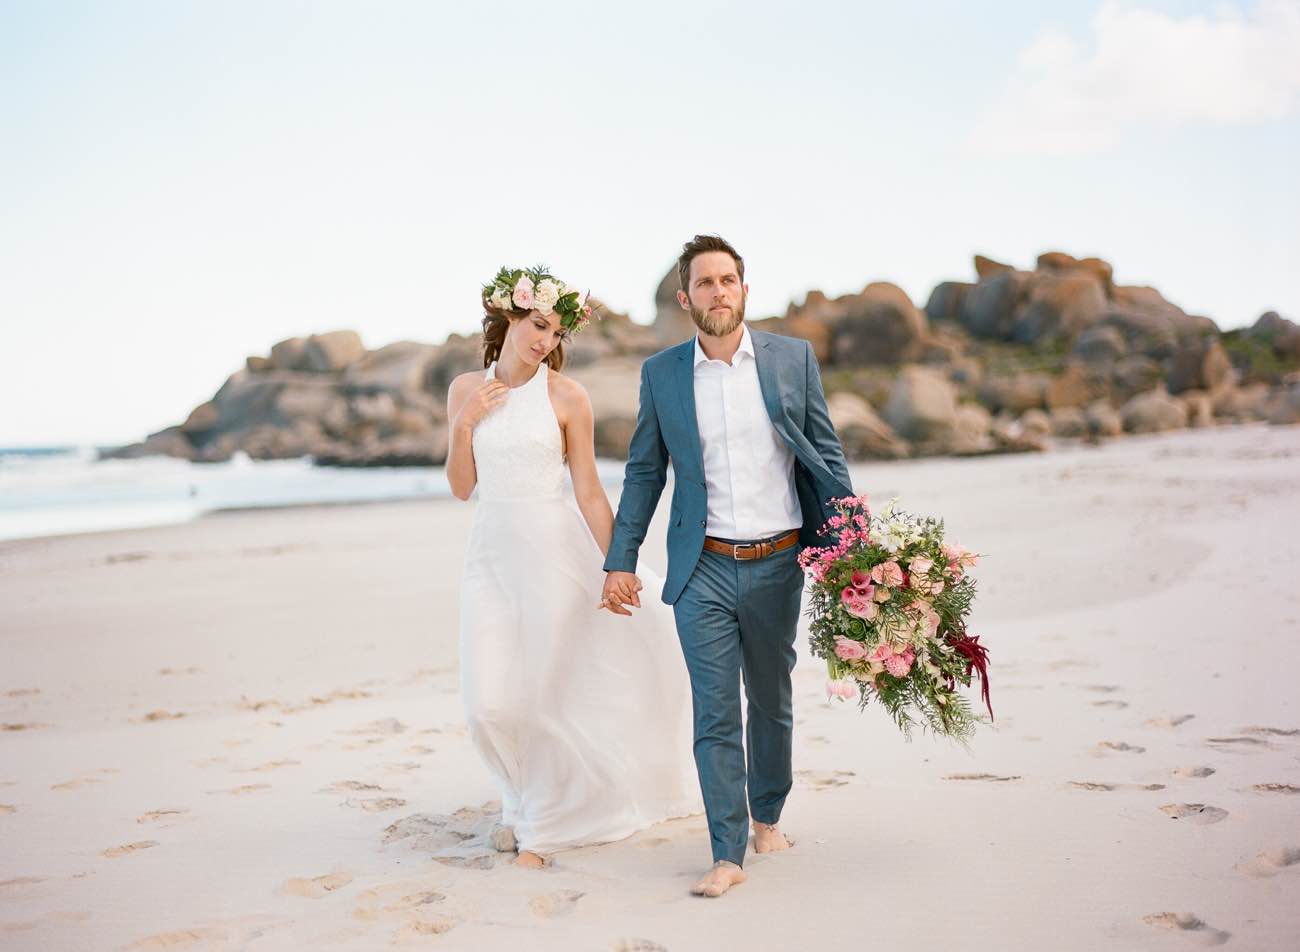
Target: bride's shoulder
pixel 566 389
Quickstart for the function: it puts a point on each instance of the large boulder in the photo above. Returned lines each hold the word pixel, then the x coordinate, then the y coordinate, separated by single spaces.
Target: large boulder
pixel 672 324
pixel 1059 305
pixel 1199 406
pixel 1103 419
pixel 1068 422
pixel 1198 364
pixel 987 267
pixel 290 354
pixel 988 309
pixel 332 351
pixel 946 299
pixel 1059 261
pixel 614 387
pixel 971 428
pixel 863 434
pixel 399 367
pixel 1132 375
pixel 879 326
pixel 1284 407
pixel 923 405
pixel 1152 412
pixel 1100 343
pixel 1073 387
pixel 1015 393
pixel 456 356
pixel 169 442
pixel 1242 404
pixel 1279 333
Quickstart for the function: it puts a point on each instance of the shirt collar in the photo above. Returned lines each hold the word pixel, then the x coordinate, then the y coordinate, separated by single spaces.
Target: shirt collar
pixel 746 347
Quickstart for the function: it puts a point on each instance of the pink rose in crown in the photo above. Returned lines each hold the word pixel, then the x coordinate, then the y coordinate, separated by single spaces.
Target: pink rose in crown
pixel 842 688
pixel 846 649
pixel 523 296
pixel 887 573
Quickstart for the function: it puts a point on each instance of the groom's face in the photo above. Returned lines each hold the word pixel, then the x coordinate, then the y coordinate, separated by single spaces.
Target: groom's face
pixel 715 296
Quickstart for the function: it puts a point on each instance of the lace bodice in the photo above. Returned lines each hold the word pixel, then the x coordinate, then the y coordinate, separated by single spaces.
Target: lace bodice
pixel 518 452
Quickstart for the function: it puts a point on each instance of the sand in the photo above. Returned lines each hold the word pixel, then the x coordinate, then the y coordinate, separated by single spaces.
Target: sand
pixel 245 733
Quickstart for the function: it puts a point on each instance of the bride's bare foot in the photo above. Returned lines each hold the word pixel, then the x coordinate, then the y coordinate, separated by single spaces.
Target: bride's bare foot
pixel 719 879
pixel 527 859
pixel 768 839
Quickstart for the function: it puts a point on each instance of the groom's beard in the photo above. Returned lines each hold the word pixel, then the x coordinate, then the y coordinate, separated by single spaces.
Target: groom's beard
pixel 718 325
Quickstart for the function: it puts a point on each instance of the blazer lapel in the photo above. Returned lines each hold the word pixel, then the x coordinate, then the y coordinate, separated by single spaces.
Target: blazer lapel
pixel 767 382
pixel 685 381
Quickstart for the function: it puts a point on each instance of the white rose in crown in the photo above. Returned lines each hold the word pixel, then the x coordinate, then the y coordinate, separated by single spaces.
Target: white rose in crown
pixel 545 295
pixel 501 299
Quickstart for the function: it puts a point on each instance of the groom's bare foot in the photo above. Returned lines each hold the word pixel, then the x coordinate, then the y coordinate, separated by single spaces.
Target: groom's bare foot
pixel 768 839
pixel 719 879
pixel 527 859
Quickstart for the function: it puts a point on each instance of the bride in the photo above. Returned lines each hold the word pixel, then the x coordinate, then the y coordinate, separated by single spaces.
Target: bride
pixel 582 717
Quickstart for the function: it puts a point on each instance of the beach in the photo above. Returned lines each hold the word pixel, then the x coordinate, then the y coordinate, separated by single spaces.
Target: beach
pixel 244 732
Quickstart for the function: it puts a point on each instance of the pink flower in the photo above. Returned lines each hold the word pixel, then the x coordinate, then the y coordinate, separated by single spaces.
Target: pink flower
pixel 843 688
pixel 863 608
pixel 887 573
pixel 861 580
pixel 523 296
pixel 846 649
pixel 898 665
pixel 882 594
pixel 960 557
pixel 920 565
pixel 880 652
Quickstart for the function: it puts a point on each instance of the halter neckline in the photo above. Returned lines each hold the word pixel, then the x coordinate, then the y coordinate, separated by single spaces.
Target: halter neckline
pixel 541 372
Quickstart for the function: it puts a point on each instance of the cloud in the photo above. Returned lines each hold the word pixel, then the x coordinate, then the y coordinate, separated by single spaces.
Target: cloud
pixel 1145 67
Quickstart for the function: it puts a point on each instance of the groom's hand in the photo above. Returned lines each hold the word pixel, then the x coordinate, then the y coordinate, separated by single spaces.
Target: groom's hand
pixel 620 590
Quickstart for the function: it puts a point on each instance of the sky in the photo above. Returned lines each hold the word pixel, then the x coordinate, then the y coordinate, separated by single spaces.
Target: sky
pixel 184 184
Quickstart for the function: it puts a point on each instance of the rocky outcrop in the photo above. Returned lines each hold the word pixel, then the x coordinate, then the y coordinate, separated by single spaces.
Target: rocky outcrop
pixel 1010 362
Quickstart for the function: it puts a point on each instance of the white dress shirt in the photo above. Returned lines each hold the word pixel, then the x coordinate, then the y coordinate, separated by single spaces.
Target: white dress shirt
pixel 748 468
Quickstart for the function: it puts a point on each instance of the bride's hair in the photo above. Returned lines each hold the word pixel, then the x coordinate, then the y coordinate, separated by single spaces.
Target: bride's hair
pixel 496 322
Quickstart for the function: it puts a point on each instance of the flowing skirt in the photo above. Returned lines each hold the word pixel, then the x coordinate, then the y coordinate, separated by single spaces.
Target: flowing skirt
pixel 583 717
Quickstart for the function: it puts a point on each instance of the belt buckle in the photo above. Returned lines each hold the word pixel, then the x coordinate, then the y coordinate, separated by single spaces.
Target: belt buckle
pixel 736 556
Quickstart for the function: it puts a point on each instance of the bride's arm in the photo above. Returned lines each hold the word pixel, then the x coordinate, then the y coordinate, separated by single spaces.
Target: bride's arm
pixel 580 444
pixel 469 399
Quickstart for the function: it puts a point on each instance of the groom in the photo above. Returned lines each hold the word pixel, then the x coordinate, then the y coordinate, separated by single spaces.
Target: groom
pixel 742 418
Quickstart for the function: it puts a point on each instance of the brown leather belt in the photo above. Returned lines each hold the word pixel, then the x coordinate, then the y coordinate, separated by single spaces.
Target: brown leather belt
pixel 747 551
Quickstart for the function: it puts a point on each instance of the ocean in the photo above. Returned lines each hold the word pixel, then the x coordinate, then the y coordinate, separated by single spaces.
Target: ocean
pixel 56 490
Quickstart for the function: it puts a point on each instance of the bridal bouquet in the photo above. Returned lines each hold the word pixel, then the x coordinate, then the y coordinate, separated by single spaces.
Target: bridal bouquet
pixel 888 602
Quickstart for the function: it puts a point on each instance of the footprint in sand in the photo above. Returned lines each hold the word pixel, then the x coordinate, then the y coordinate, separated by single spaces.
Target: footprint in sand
pixel 7 808
pixel 1198 813
pixel 1192 773
pixel 160 816
pixel 980 776
pixel 75 783
pixel 271 765
pixel 553 905
pixel 421 750
pixel 638 945
pixel 1270 862
pixel 375 804
pixel 158 716
pixel 459 839
pixel 1102 688
pixel 1172 720
pixel 129 848
pixel 1237 743
pixel 27 726
pixel 386 725
pixel 22 692
pixel 1115 705
pixel 1093 785
pixel 345 786
pixel 1186 922
pixel 1271 731
pixel 316 886
pixel 1275 788
pixel 404 767
pixel 189 670
pixel 245 788
pixel 234 934
pixel 418 908
pixel 823 780
pixel 1119 746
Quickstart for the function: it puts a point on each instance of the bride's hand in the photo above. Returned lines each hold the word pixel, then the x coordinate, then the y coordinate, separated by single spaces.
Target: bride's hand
pixel 490 395
pixel 620 589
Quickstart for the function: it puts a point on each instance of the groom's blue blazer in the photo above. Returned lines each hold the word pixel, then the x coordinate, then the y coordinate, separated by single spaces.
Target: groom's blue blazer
pixel 666 429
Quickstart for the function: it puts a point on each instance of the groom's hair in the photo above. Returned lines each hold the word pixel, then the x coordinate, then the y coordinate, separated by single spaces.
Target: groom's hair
pixel 698 246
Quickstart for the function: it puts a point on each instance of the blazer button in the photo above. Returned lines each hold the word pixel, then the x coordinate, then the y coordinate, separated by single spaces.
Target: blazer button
pixel 703 523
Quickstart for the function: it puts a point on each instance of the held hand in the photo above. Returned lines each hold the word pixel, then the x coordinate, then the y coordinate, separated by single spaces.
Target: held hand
pixel 490 395
pixel 621 589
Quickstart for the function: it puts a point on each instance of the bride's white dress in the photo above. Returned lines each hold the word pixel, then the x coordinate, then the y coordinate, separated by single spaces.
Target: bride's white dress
pixel 583 717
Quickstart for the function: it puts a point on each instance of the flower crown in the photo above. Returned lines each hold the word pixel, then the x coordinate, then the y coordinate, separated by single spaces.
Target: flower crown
pixel 536 288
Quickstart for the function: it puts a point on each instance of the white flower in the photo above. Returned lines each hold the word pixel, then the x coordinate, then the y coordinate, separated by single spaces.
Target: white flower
pixel 547 293
pixel 501 299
